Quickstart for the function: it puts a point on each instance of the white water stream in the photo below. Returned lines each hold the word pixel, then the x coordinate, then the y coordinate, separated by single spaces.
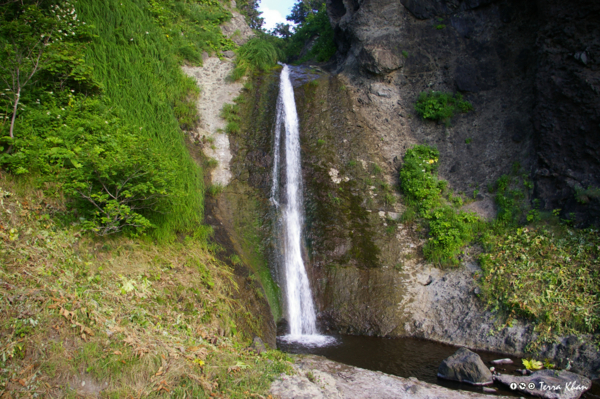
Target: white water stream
pixel 300 307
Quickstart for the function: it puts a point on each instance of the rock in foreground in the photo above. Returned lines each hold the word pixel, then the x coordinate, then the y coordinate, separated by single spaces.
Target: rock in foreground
pixel 465 366
pixel 318 377
pixel 549 384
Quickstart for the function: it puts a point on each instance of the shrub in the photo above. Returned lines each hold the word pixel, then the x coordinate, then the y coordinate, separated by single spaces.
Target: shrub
pixel 257 54
pixel 440 106
pixel 111 174
pixel 418 178
pixel 449 231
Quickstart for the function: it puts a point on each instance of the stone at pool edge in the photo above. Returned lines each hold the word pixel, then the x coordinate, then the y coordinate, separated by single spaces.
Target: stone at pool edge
pixel 549 378
pixel 465 366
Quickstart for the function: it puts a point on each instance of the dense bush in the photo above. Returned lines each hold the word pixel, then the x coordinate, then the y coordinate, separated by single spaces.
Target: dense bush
pixel 449 229
pixel 111 174
pixel 551 275
pixel 418 178
pixel 440 106
pixel 257 54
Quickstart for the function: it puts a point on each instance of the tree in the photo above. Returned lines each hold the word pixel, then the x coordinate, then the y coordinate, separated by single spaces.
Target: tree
pixel 283 30
pixel 303 8
pixel 22 47
pixel 37 36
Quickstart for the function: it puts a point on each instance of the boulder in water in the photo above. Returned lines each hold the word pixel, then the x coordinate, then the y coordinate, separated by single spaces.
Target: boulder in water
pixel 465 366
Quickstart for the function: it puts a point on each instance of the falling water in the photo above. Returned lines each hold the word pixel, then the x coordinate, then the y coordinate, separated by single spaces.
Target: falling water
pixel 300 306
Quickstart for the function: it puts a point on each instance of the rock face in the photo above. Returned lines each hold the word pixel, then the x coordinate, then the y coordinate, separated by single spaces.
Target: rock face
pixel 319 378
pixel 465 366
pixel 549 384
pixel 531 69
pixel 367 271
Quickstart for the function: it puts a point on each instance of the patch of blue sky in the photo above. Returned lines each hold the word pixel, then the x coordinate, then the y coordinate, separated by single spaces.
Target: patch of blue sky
pixel 275 11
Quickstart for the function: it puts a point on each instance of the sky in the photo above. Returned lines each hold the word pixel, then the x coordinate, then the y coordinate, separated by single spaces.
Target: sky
pixel 275 11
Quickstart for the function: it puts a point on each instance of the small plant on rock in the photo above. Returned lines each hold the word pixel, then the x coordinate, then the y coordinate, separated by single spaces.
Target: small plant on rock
pixel 440 106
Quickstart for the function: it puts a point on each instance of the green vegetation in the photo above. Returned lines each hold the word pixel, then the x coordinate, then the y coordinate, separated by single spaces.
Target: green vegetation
pixel 549 274
pixel 440 106
pixel 440 27
pixel 128 316
pixel 313 27
pixel 257 54
pixel 449 229
pixel 533 264
pixel 583 196
pixel 101 119
pixel 190 28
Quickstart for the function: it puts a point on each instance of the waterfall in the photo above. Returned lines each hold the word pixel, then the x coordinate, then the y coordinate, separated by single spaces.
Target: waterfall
pixel 300 306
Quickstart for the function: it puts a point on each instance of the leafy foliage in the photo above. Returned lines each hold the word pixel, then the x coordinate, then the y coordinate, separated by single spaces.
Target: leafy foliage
pixel 532 364
pixel 40 39
pixel 449 230
pixel 418 176
pixel 113 175
pixel 250 9
pixel 440 106
pixel 317 27
pixel 125 57
pixel 303 9
pixel 548 275
pixel 256 55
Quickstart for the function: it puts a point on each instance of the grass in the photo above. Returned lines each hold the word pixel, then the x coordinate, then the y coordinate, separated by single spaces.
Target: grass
pixel 128 317
pixel 143 78
pixel 256 55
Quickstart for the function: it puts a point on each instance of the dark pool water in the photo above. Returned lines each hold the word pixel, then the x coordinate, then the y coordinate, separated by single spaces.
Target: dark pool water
pixel 407 357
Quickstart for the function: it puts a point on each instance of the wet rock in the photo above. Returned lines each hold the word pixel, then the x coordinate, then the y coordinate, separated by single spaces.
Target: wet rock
pixel 258 345
pixel 549 384
pixel 502 361
pixel 489 390
pixel 465 366
pixel 317 377
pixel 426 280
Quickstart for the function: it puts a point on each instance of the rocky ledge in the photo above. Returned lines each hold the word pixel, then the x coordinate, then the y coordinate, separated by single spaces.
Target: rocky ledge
pixel 316 377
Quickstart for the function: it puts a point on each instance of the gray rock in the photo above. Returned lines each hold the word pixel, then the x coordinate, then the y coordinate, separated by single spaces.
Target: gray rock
pixel 465 366
pixel 502 361
pixel 228 54
pixel 317 377
pixel 549 384
pixel 258 345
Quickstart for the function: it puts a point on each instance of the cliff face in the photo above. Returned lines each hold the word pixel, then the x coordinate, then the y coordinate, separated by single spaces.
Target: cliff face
pixel 530 71
pixel 529 68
